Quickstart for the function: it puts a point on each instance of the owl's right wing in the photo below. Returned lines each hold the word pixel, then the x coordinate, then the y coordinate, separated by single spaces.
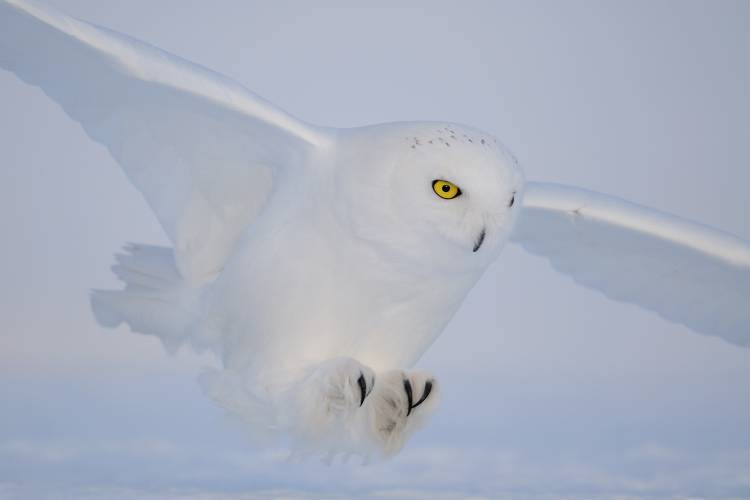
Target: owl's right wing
pixel 684 271
pixel 204 151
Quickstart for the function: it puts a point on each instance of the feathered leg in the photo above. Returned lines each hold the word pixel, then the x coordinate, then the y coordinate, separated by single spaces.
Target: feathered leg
pixel 344 406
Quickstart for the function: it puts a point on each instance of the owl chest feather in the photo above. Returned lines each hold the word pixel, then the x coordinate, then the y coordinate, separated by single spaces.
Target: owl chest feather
pixel 312 291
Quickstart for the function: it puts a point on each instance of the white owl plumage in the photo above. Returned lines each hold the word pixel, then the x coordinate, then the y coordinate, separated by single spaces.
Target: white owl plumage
pixel 318 263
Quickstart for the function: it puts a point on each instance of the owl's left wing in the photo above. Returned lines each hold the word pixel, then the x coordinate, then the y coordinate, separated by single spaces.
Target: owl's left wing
pixel 686 272
pixel 205 152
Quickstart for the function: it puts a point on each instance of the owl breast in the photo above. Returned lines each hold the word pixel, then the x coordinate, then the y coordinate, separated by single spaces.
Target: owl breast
pixel 303 293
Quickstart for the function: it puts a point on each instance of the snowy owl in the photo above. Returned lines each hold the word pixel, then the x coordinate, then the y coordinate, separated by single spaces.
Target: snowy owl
pixel 319 264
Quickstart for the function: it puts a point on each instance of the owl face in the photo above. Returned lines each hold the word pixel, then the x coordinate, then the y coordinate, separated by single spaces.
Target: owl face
pixel 437 193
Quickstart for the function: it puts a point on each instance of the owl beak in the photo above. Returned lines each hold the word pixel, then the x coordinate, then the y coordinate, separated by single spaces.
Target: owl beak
pixel 480 240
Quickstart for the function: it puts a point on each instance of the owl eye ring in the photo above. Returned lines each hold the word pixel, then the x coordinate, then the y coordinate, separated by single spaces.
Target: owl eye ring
pixel 445 189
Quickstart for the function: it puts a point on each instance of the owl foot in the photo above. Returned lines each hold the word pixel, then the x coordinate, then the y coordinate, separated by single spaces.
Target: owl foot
pixel 399 405
pixel 342 406
pixel 327 400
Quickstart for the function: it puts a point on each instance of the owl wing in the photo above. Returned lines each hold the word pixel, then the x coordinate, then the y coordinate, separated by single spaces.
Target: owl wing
pixel 204 151
pixel 686 272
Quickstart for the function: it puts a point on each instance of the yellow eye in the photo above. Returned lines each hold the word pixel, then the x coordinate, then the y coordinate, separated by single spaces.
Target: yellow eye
pixel 445 189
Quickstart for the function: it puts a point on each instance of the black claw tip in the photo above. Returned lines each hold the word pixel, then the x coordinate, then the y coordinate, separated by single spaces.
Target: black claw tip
pixel 362 388
pixel 409 396
pixel 427 391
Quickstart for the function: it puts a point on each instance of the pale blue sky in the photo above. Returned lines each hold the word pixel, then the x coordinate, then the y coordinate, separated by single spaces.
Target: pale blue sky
pixel 550 390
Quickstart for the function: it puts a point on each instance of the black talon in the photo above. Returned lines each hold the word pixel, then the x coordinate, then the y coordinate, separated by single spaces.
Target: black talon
pixel 427 391
pixel 409 396
pixel 362 387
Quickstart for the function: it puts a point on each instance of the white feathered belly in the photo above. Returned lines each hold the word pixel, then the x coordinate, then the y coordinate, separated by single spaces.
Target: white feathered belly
pixel 287 298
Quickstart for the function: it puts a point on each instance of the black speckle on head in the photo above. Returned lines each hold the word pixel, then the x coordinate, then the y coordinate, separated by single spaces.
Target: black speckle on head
pixel 413 146
pixel 448 144
pixel 431 141
pixel 484 142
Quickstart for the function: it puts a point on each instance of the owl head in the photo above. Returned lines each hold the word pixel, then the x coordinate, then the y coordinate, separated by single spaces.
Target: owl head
pixel 433 193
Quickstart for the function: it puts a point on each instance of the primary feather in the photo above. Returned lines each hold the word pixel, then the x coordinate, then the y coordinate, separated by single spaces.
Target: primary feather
pixel 202 149
pixel 684 271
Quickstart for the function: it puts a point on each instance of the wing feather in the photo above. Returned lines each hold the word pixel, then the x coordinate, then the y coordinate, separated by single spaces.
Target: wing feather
pixel 686 272
pixel 204 151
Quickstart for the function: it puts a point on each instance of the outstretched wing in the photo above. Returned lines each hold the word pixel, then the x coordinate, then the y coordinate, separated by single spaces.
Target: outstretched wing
pixel 204 151
pixel 686 272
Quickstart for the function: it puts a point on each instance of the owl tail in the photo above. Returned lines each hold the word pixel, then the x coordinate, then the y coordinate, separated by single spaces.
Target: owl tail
pixel 155 300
